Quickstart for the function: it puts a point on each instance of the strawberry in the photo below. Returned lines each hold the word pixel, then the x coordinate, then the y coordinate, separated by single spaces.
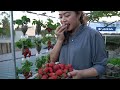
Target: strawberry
pixel 44 77
pixel 56 67
pixel 46 69
pixel 64 75
pixel 69 66
pixel 50 70
pixel 62 66
pixel 70 69
pixel 29 54
pixel 51 64
pixel 51 74
pixel 47 64
pixel 40 71
pixel 54 77
pixel 65 70
pixel 59 72
pixel 66 67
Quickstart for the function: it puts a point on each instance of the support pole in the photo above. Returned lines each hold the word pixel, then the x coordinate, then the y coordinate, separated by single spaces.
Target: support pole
pixel 12 43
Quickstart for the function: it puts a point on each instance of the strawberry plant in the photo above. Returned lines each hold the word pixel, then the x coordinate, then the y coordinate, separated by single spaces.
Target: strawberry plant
pixel 49 34
pixel 24 44
pixel 41 61
pixel 37 42
pixel 39 24
pixel 25 69
pixel 23 22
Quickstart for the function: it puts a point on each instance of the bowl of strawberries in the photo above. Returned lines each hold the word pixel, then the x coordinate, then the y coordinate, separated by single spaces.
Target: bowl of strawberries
pixel 54 71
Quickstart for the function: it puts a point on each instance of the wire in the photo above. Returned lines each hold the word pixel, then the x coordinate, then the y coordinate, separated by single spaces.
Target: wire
pixel 43 14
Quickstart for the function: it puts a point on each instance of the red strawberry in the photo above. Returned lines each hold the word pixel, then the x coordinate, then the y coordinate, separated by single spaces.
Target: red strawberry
pixel 65 70
pixel 40 71
pixel 69 66
pixel 64 75
pixel 50 70
pixel 51 64
pixel 66 67
pixel 44 77
pixel 29 54
pixel 62 66
pixel 47 64
pixel 70 69
pixel 56 67
pixel 59 72
pixel 54 77
pixel 46 69
pixel 25 54
pixel 51 74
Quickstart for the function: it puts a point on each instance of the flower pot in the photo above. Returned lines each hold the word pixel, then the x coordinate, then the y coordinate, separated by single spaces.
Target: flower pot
pixel 24 29
pixel 38 29
pixel 38 48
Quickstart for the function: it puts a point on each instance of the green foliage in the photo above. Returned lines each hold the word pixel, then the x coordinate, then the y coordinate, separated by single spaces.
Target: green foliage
pixel 24 43
pixel 37 22
pixel 113 42
pixel 26 67
pixel 41 60
pixel 24 20
pixel 114 61
pixel 96 15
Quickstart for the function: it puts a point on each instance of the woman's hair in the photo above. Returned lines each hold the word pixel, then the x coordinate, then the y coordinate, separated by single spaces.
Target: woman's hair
pixel 82 17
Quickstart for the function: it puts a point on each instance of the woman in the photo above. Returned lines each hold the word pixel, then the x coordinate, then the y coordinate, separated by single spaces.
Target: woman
pixel 79 45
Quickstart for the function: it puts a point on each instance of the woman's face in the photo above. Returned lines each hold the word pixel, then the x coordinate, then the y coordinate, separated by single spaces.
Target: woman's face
pixel 69 18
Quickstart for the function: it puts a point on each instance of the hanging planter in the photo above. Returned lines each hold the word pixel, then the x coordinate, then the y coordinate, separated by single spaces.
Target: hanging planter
pixel 37 42
pixel 39 24
pixel 24 29
pixel 24 44
pixel 26 69
pixel 23 23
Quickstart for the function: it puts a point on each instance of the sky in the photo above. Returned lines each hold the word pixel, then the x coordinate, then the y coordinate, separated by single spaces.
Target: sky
pixel 19 14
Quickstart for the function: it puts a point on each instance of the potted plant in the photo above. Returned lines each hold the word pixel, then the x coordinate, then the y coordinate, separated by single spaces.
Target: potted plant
pixel 37 42
pixel 23 22
pixel 49 36
pixel 39 24
pixel 25 43
pixel 26 69
pixel 40 61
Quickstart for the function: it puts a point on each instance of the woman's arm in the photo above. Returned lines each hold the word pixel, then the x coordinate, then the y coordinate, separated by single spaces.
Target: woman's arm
pixel 54 54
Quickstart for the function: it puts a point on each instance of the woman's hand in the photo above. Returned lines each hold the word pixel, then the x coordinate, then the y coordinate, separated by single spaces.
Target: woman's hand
pixel 75 74
pixel 60 32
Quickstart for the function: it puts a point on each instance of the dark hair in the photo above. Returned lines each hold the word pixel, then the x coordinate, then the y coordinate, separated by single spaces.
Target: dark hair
pixel 82 21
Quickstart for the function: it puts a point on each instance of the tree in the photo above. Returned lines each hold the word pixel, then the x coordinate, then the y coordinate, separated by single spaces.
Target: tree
pixel 5 29
pixel 96 15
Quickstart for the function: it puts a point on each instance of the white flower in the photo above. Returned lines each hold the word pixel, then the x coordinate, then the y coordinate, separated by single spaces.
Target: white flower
pixel 40 36
pixel 23 59
pixel 48 35
pixel 36 36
